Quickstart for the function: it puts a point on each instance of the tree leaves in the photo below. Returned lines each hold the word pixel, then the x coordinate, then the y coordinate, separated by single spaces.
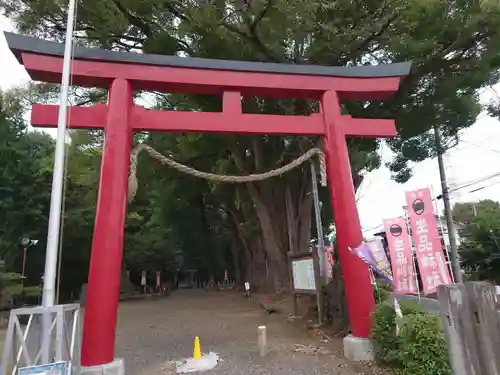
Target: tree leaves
pixel 25 184
pixel 453 46
pixel 480 239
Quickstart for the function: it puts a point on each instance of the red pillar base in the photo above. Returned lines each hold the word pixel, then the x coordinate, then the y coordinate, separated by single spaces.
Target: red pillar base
pixel 117 367
pixel 358 288
pixel 358 349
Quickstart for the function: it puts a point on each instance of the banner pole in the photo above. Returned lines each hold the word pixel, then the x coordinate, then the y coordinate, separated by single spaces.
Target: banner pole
pixel 412 249
pixel 440 224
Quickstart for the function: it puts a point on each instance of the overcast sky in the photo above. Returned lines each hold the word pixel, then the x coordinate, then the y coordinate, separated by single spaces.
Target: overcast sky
pixel 477 156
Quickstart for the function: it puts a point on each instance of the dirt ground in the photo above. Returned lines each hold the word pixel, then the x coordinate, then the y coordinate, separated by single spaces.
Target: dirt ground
pixel 152 332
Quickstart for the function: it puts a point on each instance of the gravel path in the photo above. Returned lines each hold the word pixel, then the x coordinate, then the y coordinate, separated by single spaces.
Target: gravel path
pixel 155 331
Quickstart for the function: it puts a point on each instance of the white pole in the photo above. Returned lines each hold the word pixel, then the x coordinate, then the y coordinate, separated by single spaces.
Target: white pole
pixel 49 278
pixel 262 340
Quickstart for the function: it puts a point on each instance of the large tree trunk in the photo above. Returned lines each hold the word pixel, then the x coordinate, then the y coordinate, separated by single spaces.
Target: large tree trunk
pixel 271 210
pixel 299 206
pixel 268 198
pixel 252 256
pixel 239 249
pixel 273 245
pixel 336 304
pixel 213 261
pixel 236 250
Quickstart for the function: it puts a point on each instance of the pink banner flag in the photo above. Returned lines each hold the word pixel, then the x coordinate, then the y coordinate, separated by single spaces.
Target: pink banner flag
pixel 403 272
pixel 430 256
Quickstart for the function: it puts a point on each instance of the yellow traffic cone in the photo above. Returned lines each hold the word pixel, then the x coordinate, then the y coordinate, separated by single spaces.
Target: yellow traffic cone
pixel 196 350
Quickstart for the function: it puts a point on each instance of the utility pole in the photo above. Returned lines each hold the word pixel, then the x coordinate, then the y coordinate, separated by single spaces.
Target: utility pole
pixel 455 260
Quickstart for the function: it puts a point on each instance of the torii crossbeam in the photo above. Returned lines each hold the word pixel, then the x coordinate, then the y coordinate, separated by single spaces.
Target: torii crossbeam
pixel 122 73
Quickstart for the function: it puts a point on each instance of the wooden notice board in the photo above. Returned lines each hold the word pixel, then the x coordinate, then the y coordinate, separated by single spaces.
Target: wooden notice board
pixel 305 279
pixel 304 273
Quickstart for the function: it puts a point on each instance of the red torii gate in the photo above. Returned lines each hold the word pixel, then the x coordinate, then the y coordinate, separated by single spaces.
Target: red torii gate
pixel 122 73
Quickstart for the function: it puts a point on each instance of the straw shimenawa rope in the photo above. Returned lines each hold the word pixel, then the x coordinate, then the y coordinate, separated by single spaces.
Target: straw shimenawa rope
pixel 132 181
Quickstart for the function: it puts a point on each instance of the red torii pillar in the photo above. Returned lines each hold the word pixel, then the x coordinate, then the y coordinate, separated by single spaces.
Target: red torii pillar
pixel 122 72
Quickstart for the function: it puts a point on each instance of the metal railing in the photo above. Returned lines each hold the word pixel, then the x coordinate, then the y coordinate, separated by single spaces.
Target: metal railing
pixel 23 345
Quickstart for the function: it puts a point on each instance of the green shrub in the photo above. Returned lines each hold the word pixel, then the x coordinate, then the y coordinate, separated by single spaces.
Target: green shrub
pixel 17 290
pixel 419 349
pixel 424 348
pixel 11 277
pixel 386 343
pixel 381 292
pixel 384 340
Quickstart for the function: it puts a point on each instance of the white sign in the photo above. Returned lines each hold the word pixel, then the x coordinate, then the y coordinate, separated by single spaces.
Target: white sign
pixel 58 368
pixel 303 274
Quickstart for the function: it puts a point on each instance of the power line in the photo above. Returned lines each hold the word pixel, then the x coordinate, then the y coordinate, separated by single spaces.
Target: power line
pixel 474 182
pixel 486 148
pixel 373 228
pixel 467 184
pixel 485 187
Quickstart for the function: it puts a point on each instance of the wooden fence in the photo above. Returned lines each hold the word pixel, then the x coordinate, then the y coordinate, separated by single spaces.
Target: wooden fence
pixel 472 326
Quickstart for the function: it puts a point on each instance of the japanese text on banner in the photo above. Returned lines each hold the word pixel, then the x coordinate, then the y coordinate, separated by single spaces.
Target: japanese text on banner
pixel 401 256
pixel 429 251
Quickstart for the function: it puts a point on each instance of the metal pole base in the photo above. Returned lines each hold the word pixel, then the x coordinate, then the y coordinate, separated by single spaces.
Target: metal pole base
pixel 25 338
pixel 117 367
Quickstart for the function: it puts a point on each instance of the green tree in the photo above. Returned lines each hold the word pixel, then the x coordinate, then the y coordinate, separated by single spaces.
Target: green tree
pixel 453 46
pixel 80 196
pixel 465 212
pixel 25 183
pixel 26 162
pixel 179 213
pixel 480 245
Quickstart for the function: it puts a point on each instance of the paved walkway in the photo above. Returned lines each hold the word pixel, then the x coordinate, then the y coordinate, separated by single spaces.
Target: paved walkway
pixel 429 305
pixel 155 331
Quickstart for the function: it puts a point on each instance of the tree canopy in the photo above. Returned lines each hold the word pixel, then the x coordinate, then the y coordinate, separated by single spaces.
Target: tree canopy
pixel 25 181
pixel 466 211
pixel 480 242
pixel 452 44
